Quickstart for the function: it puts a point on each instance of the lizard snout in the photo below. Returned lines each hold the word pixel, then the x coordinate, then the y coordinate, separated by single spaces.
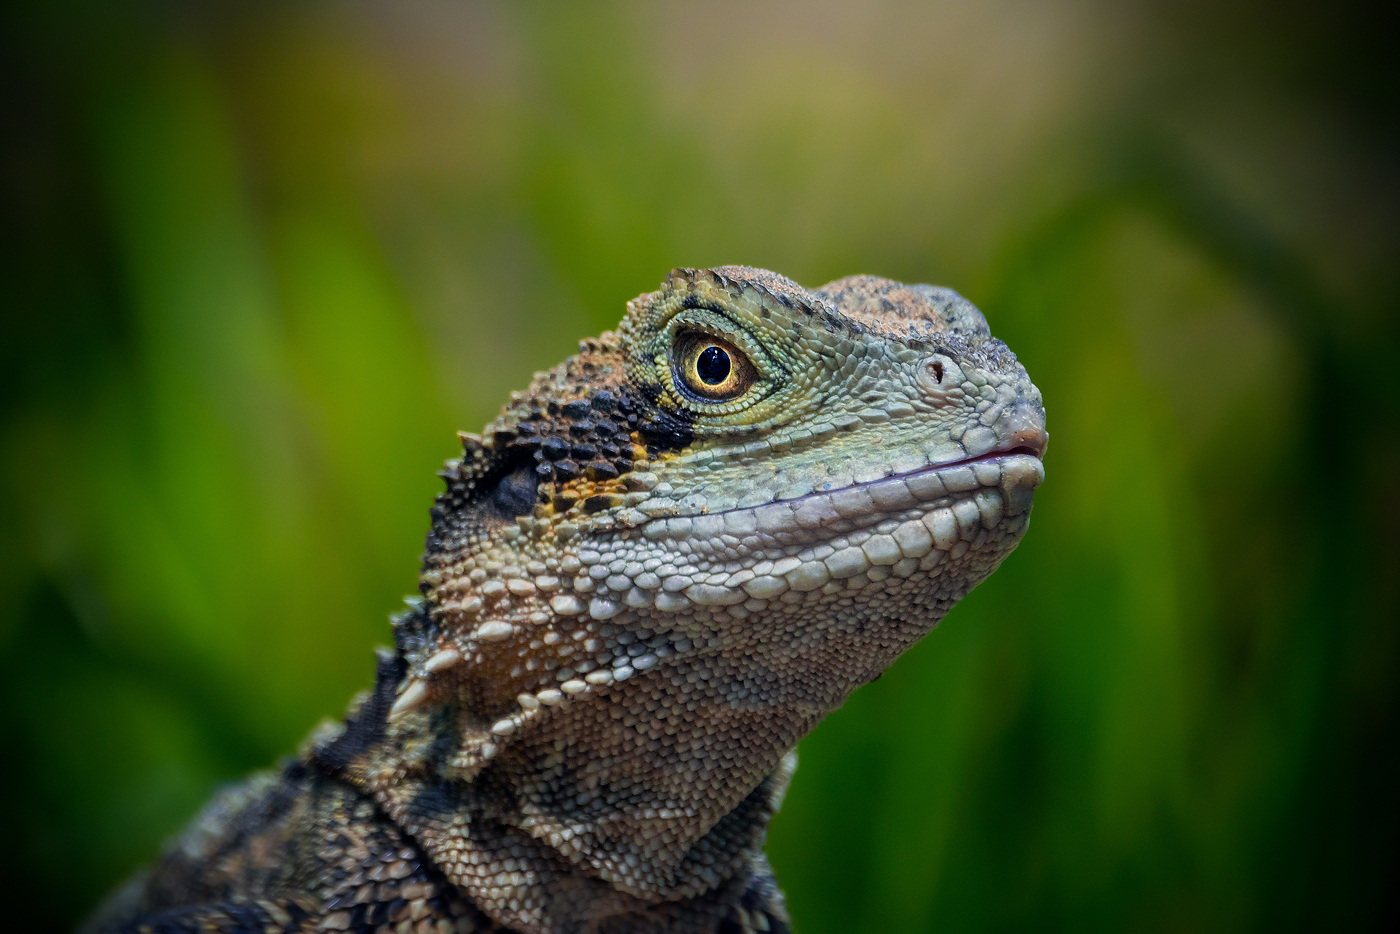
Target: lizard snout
pixel 1025 429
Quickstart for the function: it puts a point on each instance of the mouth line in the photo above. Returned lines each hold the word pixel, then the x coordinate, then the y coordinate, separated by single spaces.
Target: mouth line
pixel 936 470
pixel 1020 450
pixel 862 500
pixel 1009 476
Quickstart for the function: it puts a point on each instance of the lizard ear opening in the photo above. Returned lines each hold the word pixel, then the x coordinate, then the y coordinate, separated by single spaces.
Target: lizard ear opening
pixel 515 494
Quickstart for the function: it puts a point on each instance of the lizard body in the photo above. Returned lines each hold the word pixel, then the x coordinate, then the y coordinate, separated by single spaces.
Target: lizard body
pixel 648 578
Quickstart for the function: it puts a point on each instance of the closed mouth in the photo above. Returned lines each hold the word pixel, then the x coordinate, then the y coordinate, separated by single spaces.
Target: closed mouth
pixel 996 456
pixel 999 454
pixel 1009 476
pixel 935 482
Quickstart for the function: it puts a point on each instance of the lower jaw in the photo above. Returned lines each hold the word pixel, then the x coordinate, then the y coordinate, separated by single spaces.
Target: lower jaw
pixel 951 542
pixel 800 546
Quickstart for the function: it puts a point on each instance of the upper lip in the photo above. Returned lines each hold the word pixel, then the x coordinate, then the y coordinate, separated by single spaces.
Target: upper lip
pixel 1037 451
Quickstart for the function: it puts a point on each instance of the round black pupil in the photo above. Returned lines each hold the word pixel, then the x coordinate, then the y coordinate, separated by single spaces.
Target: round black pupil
pixel 713 366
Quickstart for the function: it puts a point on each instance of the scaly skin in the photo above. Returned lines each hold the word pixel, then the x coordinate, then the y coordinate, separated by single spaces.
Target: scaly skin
pixel 653 574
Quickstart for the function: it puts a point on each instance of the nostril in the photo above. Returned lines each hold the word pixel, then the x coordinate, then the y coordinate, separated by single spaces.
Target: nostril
pixel 939 377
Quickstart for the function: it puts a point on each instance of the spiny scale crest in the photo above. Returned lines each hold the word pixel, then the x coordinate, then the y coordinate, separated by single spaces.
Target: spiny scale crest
pixel 666 560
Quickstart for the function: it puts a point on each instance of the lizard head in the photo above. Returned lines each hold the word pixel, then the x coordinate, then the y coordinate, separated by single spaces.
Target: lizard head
pixel 674 553
pixel 773 394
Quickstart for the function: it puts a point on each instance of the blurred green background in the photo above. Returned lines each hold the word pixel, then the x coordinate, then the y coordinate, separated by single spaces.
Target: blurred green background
pixel 261 260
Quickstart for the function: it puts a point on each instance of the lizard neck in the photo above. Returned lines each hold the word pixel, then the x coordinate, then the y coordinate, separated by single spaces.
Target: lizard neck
pixel 564 806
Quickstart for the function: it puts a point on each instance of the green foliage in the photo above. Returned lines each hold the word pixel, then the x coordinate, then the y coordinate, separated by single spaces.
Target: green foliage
pixel 261 262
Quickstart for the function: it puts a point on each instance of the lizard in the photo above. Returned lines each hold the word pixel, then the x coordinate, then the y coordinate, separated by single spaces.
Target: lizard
pixel 652 574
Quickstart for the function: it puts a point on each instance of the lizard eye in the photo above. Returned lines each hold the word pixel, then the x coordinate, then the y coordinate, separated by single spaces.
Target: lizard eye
pixel 710 368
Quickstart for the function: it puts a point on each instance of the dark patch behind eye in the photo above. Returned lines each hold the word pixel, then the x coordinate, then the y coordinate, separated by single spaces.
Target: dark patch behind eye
pixel 663 430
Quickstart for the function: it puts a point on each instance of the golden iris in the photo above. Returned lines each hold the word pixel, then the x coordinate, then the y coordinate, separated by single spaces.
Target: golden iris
pixel 711 368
